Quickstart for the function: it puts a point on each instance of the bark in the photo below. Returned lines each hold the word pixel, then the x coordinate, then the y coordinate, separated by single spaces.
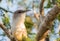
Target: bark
pixel 42 7
pixel 41 12
pixel 42 18
pixel 47 22
pixel 7 32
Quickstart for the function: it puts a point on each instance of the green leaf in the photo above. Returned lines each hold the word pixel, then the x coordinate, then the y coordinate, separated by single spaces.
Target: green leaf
pixel 28 24
pixel 58 2
pixel 58 17
pixel 6 21
pixel 48 4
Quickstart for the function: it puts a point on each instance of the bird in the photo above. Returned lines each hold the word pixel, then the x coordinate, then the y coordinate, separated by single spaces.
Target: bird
pixel 18 29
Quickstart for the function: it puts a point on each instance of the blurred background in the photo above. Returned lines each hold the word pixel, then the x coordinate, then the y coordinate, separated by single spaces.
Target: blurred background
pixel 7 7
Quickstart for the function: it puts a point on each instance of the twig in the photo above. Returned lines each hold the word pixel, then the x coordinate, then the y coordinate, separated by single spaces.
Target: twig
pixel 41 12
pixel 5 10
pixel 41 7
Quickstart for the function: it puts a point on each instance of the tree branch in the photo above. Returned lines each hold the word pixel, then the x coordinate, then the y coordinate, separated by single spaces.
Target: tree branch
pixel 37 16
pixel 41 7
pixel 41 18
pixel 5 10
pixel 7 32
pixel 47 22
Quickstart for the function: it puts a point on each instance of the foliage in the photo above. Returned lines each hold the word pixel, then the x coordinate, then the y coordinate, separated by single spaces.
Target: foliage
pixel 58 39
pixel 58 17
pixel 6 21
pixel 58 2
pixel 31 38
pixel 52 28
pixel 28 23
pixel 26 39
pixel 48 4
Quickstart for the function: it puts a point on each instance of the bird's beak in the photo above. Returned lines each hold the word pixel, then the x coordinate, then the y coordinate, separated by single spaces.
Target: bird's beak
pixel 27 10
